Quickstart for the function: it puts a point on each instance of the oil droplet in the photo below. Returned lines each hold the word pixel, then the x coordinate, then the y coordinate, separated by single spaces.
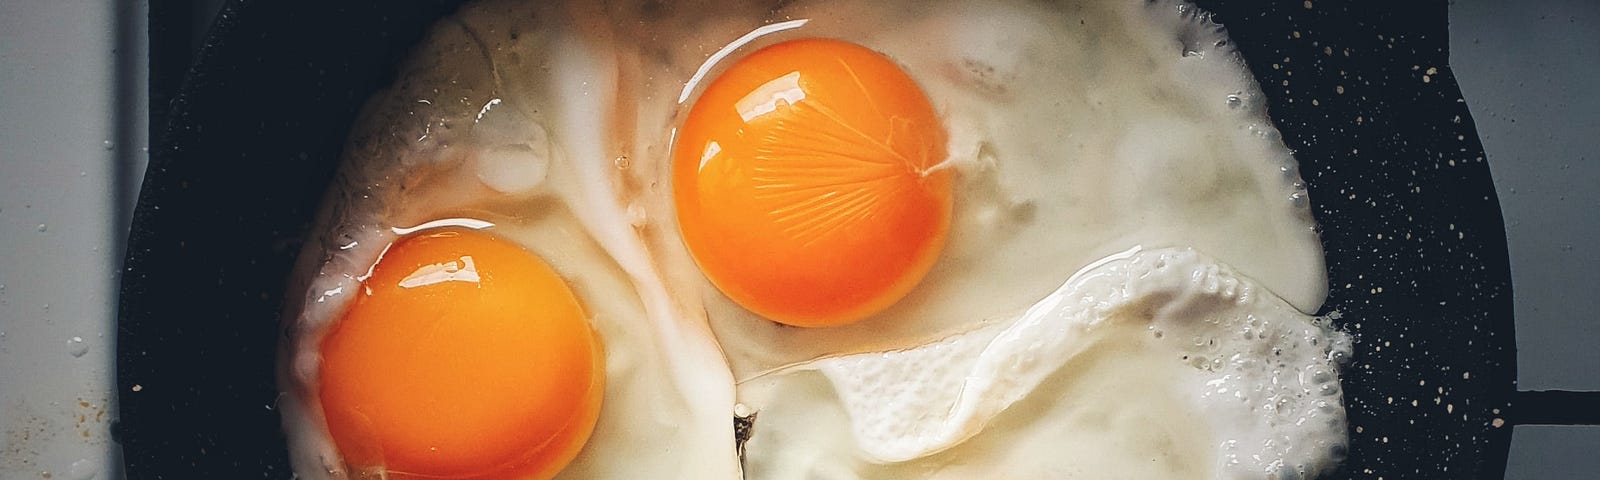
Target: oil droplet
pixel 76 347
pixel 83 469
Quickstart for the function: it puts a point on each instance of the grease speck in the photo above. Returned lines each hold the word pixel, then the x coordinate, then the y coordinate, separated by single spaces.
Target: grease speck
pixel 76 347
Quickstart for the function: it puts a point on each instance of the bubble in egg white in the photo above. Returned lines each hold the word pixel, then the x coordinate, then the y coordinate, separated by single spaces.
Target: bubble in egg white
pixel 513 151
pixel 512 169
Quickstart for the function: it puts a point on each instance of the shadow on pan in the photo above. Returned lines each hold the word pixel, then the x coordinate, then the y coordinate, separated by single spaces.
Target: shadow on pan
pixel 1363 94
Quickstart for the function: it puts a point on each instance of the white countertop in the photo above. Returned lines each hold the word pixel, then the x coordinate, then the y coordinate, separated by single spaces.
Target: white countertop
pixel 61 159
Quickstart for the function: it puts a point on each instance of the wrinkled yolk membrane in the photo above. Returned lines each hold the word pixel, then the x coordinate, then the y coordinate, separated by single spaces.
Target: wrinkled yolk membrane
pixel 807 182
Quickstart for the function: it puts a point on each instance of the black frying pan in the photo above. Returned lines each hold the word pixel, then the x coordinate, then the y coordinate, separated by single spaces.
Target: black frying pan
pixel 254 132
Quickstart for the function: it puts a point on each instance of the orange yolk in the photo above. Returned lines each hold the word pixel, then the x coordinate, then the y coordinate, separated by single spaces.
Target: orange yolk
pixel 806 183
pixel 465 357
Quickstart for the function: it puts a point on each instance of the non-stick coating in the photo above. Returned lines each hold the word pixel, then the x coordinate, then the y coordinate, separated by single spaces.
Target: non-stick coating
pixel 1363 94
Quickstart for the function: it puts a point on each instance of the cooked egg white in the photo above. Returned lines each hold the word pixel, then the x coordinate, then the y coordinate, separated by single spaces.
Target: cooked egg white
pixel 1077 130
pixel 1146 364
pixel 1123 140
pixel 460 141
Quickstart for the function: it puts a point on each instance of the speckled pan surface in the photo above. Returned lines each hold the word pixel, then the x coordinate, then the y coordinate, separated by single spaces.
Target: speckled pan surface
pixel 1411 223
pixel 1363 94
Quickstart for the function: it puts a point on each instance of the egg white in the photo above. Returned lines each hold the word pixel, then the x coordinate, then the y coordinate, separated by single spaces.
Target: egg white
pixel 460 141
pixel 1146 364
pixel 1078 130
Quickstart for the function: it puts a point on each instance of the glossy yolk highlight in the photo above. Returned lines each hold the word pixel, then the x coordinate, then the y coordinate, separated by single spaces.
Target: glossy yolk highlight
pixel 465 357
pixel 806 184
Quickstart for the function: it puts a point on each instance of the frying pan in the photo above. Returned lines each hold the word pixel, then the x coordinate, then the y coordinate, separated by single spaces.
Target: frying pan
pixel 1362 93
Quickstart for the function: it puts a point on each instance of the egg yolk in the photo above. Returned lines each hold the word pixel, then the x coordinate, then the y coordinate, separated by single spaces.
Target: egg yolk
pixel 464 357
pixel 807 185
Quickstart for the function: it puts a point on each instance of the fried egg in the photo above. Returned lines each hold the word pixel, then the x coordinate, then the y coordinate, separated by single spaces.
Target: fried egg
pixel 894 239
pixel 402 359
pixel 1067 142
